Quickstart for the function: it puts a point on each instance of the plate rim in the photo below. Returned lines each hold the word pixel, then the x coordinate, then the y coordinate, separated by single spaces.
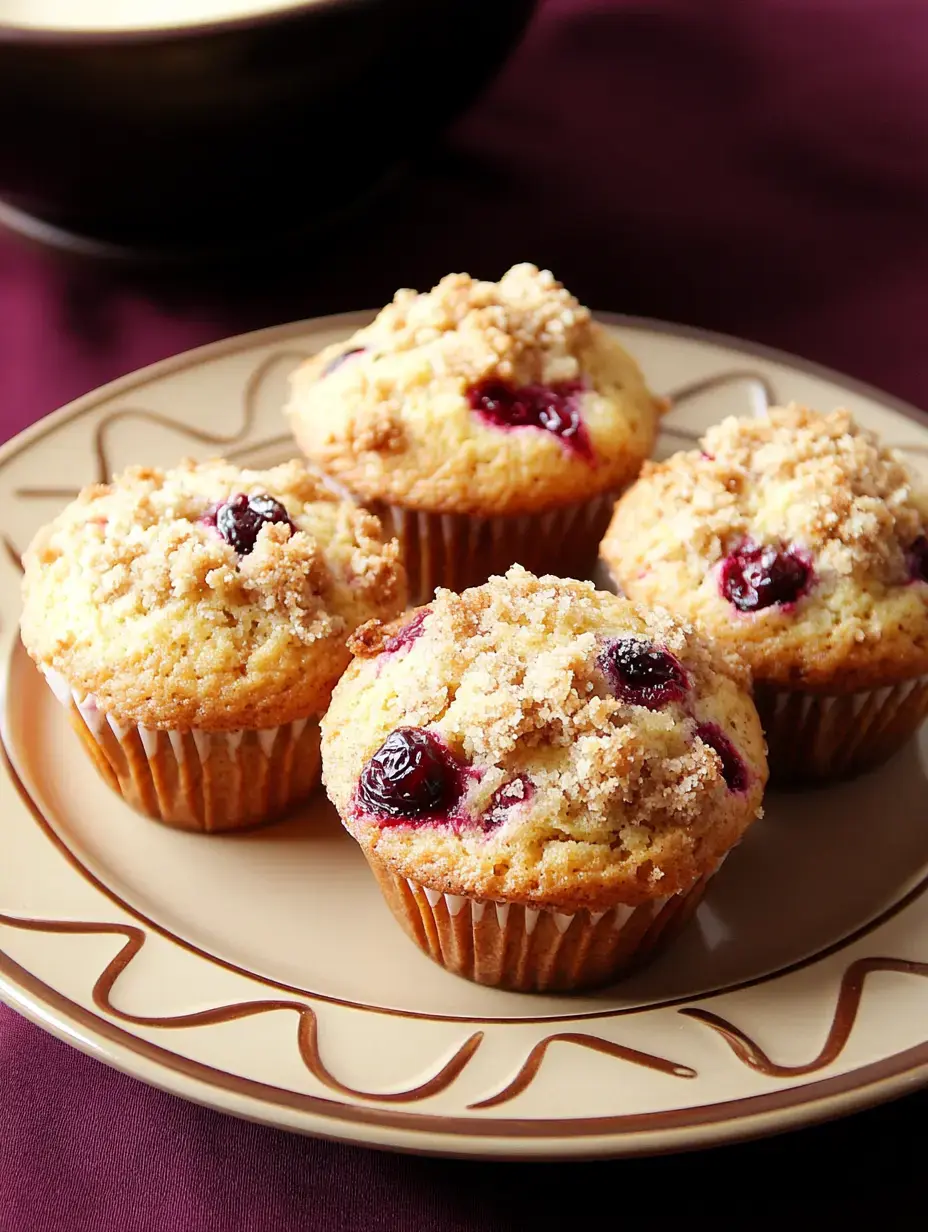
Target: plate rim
pixel 692 1127
pixel 608 1137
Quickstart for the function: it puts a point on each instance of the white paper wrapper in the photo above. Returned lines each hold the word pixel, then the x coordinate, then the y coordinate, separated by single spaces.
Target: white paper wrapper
pixel 458 550
pixel 507 945
pixel 815 737
pixel 198 780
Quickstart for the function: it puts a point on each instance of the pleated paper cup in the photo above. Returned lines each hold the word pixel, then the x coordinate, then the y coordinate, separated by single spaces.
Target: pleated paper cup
pixel 508 945
pixel 821 737
pixel 209 781
pixel 460 550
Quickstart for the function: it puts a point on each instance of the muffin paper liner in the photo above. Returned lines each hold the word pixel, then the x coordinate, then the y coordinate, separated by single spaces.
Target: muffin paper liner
pixel 210 781
pixel 508 945
pixel 817 737
pixel 458 550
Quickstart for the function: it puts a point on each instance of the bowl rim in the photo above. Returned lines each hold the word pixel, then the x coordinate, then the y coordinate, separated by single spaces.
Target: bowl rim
pixel 81 36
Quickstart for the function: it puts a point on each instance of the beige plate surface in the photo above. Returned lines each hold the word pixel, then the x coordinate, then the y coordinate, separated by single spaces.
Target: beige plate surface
pixel 262 974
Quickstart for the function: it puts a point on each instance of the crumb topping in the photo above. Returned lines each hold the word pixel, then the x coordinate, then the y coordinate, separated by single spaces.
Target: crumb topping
pixel 132 587
pixel 623 800
pixel 526 328
pixel 816 480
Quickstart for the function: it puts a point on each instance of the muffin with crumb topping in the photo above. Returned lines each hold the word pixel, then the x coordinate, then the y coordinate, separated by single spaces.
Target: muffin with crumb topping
pixel 194 622
pixel 542 776
pixel 486 423
pixel 798 541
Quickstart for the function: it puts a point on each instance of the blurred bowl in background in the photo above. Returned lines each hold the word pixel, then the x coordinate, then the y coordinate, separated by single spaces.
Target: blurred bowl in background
pixel 220 120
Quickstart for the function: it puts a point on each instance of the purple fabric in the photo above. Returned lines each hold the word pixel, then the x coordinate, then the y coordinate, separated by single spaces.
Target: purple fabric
pixel 757 168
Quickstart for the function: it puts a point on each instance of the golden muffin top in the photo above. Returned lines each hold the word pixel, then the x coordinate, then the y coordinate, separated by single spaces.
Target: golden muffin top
pixel 537 740
pixel 795 538
pixel 206 596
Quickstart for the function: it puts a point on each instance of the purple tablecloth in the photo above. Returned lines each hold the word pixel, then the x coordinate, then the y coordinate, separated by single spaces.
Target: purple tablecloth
pixel 757 168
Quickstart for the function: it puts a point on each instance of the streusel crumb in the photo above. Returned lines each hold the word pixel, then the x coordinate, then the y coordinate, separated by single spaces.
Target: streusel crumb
pixel 610 799
pixel 132 595
pixel 526 328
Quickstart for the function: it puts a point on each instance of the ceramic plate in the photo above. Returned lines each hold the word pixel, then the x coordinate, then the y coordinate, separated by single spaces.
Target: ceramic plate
pixel 263 975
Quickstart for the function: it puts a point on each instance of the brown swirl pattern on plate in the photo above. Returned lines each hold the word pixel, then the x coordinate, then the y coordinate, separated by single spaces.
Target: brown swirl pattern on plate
pixel 842 1022
pixel 308 1025
pixel 532 1064
pixel 234 444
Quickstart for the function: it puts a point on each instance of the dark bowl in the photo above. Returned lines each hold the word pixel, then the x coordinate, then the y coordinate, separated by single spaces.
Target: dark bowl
pixel 214 134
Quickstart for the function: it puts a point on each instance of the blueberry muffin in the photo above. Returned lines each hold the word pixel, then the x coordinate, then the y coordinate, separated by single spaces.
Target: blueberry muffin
pixel 542 776
pixel 798 541
pixel 486 423
pixel 194 622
